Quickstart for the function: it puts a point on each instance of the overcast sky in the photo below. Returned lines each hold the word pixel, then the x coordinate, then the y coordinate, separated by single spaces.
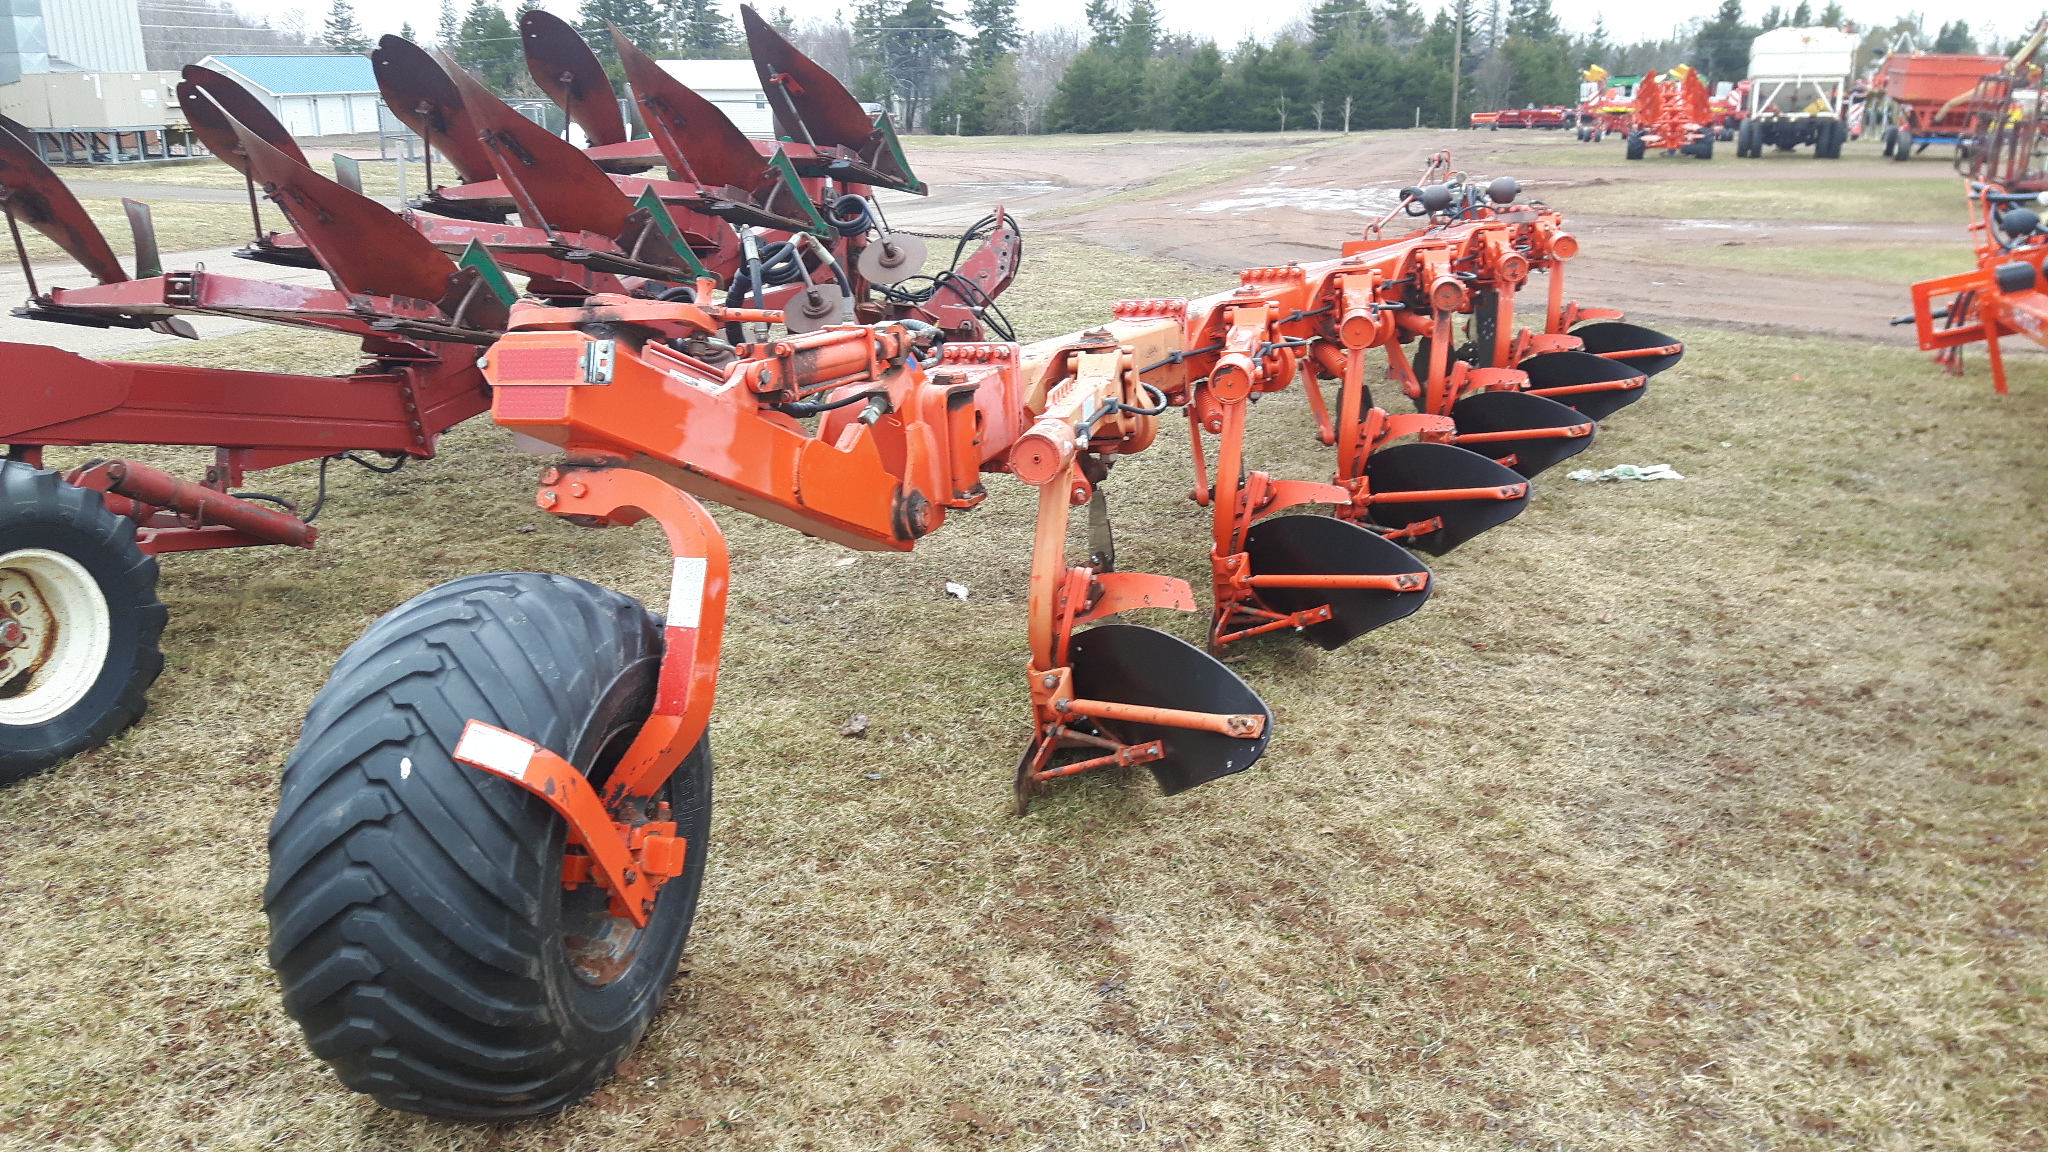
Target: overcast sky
pixel 1228 21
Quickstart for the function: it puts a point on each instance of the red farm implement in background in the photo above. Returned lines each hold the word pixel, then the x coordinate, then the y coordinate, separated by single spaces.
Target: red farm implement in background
pixel 1606 103
pixel 2007 188
pixel 1671 115
pixel 1927 94
pixel 540 772
pixel 797 243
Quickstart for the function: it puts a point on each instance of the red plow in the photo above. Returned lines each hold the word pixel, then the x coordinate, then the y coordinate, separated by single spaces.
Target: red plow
pixel 796 242
pixel 492 831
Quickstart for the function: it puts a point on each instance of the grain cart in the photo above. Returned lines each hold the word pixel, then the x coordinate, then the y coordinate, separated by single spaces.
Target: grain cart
pixel 1921 90
pixel 1798 92
pixel 492 833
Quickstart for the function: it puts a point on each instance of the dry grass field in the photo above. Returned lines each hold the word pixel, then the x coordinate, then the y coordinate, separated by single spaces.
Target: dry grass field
pixel 1698 814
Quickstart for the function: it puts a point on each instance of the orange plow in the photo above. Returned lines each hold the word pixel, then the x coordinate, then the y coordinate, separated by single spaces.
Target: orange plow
pixel 559 730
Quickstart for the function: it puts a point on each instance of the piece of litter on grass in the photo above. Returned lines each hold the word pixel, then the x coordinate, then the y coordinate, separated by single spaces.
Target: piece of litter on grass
pixel 856 727
pixel 1326 831
pixel 1727 443
pixel 956 591
pixel 525 529
pixel 843 561
pixel 1628 472
pixel 872 776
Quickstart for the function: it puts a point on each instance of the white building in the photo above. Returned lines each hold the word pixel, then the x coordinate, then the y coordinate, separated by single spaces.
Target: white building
pixel 734 86
pixel 311 95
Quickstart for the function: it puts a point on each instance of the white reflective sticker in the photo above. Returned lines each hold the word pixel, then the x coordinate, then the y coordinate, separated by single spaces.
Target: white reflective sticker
pixel 405 767
pixel 686 592
pixel 496 750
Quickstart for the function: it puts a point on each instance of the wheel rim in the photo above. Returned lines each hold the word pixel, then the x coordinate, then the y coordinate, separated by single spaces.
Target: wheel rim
pixel 65 634
pixel 600 944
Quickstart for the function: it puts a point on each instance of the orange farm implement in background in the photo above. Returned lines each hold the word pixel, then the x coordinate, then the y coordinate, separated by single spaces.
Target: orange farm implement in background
pixel 491 835
pixel 1671 114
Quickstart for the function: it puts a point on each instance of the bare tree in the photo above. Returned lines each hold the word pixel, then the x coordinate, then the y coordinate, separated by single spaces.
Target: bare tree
pixel 180 32
pixel 830 43
pixel 1041 60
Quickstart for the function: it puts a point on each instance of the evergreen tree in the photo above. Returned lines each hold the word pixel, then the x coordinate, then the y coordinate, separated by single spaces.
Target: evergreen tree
pixel 1831 17
pixel 1098 94
pixel 405 32
pixel 905 50
pixel 1772 19
pixel 1595 47
pixel 1105 23
pixel 700 30
pixel 1140 33
pixel 1721 47
pixel 1532 20
pixel 1200 102
pixel 1335 23
pixel 343 34
pixel 996 32
pixel 1955 38
pixel 488 46
pixel 1404 22
pixel 450 28
pixel 1802 16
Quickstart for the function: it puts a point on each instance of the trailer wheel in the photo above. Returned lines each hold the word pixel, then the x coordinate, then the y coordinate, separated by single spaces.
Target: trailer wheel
pixel 1747 143
pixel 1902 148
pixel 81 625
pixel 418 919
pixel 1891 137
pixel 1636 147
pixel 1829 145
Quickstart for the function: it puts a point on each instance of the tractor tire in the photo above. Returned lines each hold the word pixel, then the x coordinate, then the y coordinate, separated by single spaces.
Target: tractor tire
pixel 418 922
pixel 1748 142
pixel 1833 133
pixel 1636 147
pixel 83 617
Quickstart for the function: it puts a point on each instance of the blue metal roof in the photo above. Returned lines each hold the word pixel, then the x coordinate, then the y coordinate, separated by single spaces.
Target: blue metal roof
pixel 294 75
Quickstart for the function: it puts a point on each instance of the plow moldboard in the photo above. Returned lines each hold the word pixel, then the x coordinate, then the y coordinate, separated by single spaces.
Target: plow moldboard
pixel 1574 369
pixel 1131 664
pixel 1429 467
pixel 1520 412
pixel 1325 545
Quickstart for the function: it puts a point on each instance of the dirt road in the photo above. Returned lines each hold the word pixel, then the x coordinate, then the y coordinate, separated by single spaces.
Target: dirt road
pixel 1234 201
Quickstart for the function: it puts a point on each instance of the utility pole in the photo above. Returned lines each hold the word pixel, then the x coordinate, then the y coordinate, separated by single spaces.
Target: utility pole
pixel 1457 62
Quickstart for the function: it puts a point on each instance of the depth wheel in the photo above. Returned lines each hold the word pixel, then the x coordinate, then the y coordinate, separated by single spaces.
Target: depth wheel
pixel 418 919
pixel 79 621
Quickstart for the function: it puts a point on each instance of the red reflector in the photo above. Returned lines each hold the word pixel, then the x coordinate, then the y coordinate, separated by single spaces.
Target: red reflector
pixel 535 402
pixel 543 363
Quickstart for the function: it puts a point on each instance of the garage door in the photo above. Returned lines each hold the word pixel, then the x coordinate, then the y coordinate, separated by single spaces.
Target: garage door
pixel 362 113
pixel 297 114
